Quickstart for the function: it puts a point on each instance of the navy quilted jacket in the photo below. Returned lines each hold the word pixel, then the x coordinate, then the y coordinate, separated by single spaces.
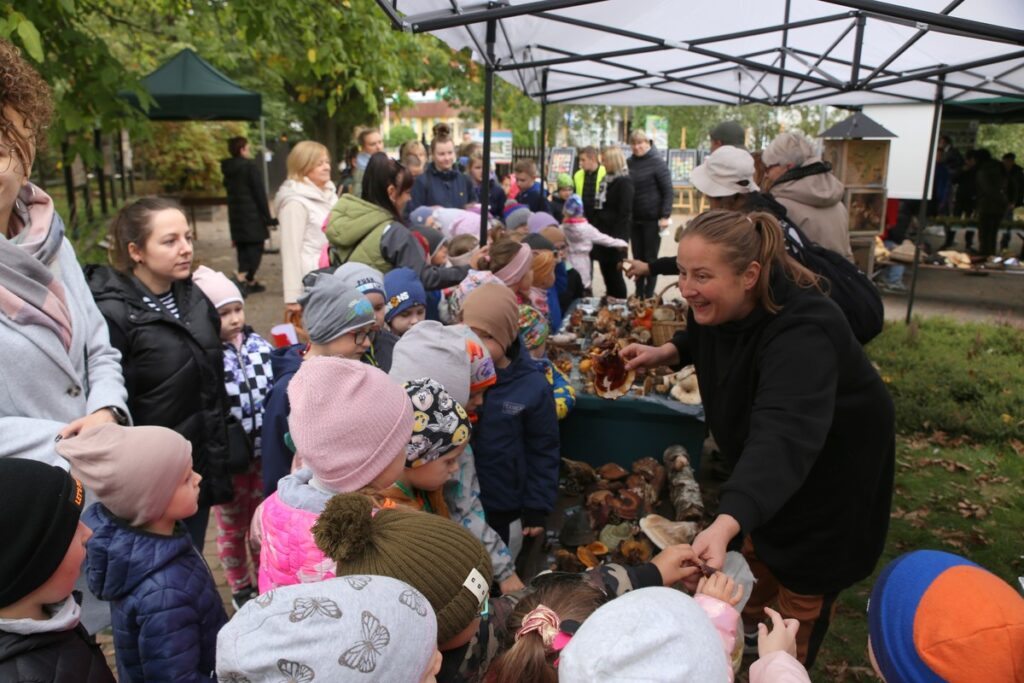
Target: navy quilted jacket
pixel 165 607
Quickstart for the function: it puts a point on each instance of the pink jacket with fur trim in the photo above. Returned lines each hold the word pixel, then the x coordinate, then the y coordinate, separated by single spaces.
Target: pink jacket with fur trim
pixel 289 554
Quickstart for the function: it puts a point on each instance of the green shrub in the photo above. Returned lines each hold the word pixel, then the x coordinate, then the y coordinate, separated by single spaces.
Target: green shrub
pixel 958 378
pixel 400 134
pixel 185 156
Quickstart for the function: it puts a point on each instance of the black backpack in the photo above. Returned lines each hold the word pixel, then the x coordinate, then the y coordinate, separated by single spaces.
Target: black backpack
pixel 851 289
pixel 846 285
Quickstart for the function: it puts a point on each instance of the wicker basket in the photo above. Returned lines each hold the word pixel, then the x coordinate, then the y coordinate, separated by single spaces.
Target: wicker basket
pixel 663 330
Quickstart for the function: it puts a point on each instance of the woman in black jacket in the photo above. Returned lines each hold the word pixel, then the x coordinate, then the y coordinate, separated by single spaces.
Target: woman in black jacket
pixel 652 204
pixel 614 217
pixel 168 334
pixel 248 211
pixel 799 413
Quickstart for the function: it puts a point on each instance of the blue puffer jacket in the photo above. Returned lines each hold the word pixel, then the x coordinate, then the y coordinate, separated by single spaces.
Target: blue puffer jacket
pixel 516 442
pixel 449 189
pixel 165 607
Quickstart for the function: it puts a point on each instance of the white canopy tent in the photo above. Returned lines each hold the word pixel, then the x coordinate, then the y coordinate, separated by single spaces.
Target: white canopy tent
pixel 774 52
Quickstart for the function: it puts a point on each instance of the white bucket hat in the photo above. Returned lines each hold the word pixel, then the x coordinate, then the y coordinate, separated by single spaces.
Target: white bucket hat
pixel 725 172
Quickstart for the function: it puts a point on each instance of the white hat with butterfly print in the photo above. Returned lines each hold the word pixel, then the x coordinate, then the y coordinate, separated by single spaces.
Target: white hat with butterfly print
pixel 352 628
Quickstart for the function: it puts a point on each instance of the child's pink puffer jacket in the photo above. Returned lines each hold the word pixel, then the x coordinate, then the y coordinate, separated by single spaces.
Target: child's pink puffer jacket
pixel 289 554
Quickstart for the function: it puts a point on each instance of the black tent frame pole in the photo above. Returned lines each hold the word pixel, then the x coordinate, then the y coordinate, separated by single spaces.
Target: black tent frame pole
pixel 485 181
pixel 543 123
pixel 922 213
pixel 101 180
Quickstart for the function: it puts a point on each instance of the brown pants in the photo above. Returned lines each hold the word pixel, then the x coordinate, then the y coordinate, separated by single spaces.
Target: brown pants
pixel 814 612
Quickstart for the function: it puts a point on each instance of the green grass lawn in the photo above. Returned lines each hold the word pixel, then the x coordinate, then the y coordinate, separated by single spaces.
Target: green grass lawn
pixel 959 394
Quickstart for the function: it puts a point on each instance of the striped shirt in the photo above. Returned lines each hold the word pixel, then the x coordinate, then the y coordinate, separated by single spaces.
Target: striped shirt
pixel 166 301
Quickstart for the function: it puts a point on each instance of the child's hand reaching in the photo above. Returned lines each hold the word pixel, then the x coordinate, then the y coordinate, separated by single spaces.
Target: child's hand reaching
pixel 721 586
pixel 782 636
pixel 676 563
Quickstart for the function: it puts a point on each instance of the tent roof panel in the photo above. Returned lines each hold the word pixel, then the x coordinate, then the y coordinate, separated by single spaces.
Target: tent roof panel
pixel 628 40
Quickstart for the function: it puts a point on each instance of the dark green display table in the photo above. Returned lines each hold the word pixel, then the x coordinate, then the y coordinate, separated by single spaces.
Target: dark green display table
pixel 598 431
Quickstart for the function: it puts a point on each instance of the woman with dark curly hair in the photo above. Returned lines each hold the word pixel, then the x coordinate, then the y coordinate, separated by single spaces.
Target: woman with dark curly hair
pixel 60 375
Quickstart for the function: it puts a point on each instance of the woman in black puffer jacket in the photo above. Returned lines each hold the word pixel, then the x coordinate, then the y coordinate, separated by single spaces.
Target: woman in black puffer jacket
pixel 652 203
pixel 168 334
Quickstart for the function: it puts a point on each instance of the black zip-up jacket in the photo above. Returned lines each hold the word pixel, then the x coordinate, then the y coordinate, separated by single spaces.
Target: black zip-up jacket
pixel 173 369
pixel 808 430
pixel 652 187
pixel 248 209
pixel 616 213
pixel 55 657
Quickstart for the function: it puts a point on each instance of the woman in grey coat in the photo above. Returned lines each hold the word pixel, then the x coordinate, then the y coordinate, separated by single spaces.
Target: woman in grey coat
pixel 60 374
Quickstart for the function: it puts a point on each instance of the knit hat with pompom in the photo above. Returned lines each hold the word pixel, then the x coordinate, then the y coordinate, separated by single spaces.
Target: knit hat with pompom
pixel 432 554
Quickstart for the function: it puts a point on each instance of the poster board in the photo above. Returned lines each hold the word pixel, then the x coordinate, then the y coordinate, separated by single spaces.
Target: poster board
pixel 908 152
pixel 681 163
pixel 501 147
pixel 866 207
pixel 560 160
pixel 656 128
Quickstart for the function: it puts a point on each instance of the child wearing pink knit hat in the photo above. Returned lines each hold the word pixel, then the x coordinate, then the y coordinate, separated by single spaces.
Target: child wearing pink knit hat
pixel 248 379
pixel 350 425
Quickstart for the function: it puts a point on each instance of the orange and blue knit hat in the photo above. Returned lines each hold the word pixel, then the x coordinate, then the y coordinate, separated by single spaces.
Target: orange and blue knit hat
pixel 934 616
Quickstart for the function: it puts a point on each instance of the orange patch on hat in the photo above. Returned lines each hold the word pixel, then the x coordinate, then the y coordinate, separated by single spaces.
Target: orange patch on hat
pixel 970 627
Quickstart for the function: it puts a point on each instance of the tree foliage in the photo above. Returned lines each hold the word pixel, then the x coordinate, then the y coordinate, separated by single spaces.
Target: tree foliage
pixel 400 134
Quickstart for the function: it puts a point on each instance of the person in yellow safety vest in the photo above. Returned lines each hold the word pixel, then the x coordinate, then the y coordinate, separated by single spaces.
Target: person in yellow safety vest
pixel 588 180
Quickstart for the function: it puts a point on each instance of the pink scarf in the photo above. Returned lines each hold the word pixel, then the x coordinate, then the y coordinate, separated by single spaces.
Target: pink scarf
pixel 517 269
pixel 29 292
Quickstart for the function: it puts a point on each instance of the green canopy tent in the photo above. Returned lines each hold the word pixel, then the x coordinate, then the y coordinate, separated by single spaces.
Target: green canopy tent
pixel 188 88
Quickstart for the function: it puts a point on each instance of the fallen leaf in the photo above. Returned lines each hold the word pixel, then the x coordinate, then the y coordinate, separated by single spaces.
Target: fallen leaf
pixel 944 463
pixel 969 510
pixel 1018 446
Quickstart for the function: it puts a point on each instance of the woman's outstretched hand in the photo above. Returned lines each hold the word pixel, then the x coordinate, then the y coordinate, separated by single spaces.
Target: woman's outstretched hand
pixel 643 356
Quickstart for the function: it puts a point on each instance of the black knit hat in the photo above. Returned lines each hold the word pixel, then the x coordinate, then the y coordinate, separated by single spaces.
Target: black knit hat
pixel 39 509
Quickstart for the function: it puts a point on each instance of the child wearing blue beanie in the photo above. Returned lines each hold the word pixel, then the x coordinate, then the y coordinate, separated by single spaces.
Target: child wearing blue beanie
pixel 406 300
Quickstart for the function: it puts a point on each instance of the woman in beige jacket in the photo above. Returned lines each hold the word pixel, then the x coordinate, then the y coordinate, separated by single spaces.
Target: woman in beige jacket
pixel 302 204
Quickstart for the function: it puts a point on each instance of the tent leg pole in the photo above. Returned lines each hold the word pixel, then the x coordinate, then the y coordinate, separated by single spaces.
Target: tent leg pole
pixel 98 170
pixel 543 123
pixel 485 181
pixel 263 145
pixel 922 214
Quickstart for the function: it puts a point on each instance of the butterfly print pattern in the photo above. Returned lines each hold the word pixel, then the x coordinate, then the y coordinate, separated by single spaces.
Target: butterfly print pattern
pixel 363 655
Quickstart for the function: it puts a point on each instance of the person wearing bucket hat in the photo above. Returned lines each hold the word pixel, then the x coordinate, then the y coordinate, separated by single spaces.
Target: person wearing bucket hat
pixel 407 302
pixel 41 637
pixel 727 133
pixel 456 358
pixel 434 555
pixel 140 558
pixel 518 426
pixel 534 331
pixel 350 424
pixel 383 628
pixel 440 434
pixel 726 172
pixel 937 616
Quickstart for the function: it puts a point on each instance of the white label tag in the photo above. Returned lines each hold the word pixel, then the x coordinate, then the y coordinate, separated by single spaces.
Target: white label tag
pixel 477 584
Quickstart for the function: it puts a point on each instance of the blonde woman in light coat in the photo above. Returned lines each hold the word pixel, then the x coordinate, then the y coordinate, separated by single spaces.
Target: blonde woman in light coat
pixel 302 204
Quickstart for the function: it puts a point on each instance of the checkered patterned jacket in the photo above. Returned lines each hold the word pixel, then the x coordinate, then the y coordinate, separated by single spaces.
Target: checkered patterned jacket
pixel 248 377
